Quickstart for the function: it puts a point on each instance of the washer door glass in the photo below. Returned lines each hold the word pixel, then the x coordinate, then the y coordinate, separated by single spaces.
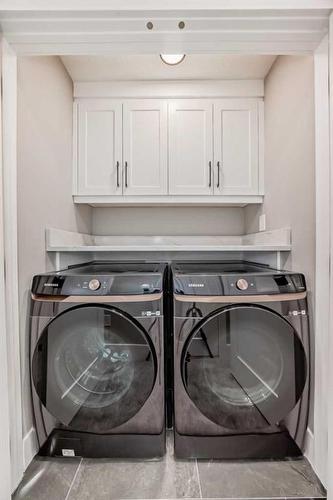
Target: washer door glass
pixel 244 367
pixel 93 368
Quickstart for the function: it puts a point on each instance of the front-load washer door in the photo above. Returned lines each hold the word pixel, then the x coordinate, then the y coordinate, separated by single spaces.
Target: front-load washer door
pixel 93 368
pixel 244 367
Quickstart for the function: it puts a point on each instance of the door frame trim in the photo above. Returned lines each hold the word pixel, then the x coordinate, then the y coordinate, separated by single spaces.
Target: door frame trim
pixel 329 331
pixel 10 250
pixel 322 295
pixel 5 420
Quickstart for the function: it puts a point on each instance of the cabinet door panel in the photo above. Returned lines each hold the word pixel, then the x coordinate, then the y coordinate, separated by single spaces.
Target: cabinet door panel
pixel 190 147
pixel 99 147
pixel 145 147
pixel 236 147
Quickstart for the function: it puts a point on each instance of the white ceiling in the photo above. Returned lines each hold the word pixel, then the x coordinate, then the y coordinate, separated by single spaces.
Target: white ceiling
pixel 150 67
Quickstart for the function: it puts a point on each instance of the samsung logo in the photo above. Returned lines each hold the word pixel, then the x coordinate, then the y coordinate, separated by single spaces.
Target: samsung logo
pixel 196 285
pixel 51 284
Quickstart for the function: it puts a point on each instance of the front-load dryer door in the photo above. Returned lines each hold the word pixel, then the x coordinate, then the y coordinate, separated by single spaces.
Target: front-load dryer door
pixel 244 367
pixel 93 368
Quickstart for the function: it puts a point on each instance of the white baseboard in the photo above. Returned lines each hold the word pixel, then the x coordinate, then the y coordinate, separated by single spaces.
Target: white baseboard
pixel 309 446
pixel 30 447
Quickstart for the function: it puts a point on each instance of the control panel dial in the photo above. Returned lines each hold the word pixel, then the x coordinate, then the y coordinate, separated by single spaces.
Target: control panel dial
pixel 94 285
pixel 242 284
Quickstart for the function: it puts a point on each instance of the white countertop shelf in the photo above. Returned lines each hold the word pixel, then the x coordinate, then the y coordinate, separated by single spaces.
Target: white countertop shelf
pixel 174 248
pixel 168 200
pixel 268 241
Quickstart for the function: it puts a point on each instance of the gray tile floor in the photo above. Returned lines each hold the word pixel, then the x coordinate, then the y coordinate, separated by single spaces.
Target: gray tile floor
pixel 87 479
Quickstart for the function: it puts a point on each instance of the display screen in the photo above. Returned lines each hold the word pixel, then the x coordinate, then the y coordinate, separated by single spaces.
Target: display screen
pixel 281 280
pixel 271 284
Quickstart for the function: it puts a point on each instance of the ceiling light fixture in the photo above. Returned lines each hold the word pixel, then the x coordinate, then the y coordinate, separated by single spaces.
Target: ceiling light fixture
pixel 172 59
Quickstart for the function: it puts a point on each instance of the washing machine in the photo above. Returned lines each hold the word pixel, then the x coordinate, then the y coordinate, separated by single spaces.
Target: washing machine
pixel 241 361
pixel 97 367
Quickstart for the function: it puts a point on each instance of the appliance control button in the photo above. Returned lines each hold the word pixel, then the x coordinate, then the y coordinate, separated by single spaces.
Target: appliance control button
pixel 94 285
pixel 242 284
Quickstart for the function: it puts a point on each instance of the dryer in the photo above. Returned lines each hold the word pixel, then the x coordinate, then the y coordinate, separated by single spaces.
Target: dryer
pixel 97 366
pixel 241 361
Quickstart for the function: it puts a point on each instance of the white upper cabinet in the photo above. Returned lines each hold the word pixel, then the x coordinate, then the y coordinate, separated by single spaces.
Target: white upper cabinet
pixel 236 147
pixel 145 147
pixel 170 151
pixel 99 147
pixel 190 147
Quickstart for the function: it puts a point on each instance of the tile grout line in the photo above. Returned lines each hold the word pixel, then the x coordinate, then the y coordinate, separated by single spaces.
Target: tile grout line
pixel 73 480
pixel 198 475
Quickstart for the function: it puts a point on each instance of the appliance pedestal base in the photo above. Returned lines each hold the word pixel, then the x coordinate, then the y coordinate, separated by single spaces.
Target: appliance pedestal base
pixel 255 446
pixel 88 445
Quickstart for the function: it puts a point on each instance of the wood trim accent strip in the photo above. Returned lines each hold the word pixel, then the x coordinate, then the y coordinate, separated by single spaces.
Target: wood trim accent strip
pixel 236 299
pixel 104 299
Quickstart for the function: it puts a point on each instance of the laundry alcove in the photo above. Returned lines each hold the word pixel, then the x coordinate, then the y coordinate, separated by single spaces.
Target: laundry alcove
pixel 71 199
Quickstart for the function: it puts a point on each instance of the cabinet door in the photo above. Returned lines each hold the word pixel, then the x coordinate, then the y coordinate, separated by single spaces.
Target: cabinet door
pixel 145 142
pixel 236 147
pixel 99 147
pixel 190 147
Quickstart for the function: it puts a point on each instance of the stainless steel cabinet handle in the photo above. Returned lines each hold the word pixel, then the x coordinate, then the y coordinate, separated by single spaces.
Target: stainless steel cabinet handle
pixel 218 174
pixel 125 173
pixel 210 174
pixel 117 167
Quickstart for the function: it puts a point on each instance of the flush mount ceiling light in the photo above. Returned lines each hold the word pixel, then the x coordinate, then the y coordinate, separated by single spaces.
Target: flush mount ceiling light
pixel 172 59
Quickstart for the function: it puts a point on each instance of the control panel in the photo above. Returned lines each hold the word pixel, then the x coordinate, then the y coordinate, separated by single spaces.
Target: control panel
pixel 101 285
pixel 230 284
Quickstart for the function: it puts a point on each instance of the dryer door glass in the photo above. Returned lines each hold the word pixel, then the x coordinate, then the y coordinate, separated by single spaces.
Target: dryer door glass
pixel 244 367
pixel 93 368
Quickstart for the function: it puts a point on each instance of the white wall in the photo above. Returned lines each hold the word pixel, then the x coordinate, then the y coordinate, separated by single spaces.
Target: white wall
pixel 290 163
pixel 163 221
pixel 44 180
pixel 117 67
